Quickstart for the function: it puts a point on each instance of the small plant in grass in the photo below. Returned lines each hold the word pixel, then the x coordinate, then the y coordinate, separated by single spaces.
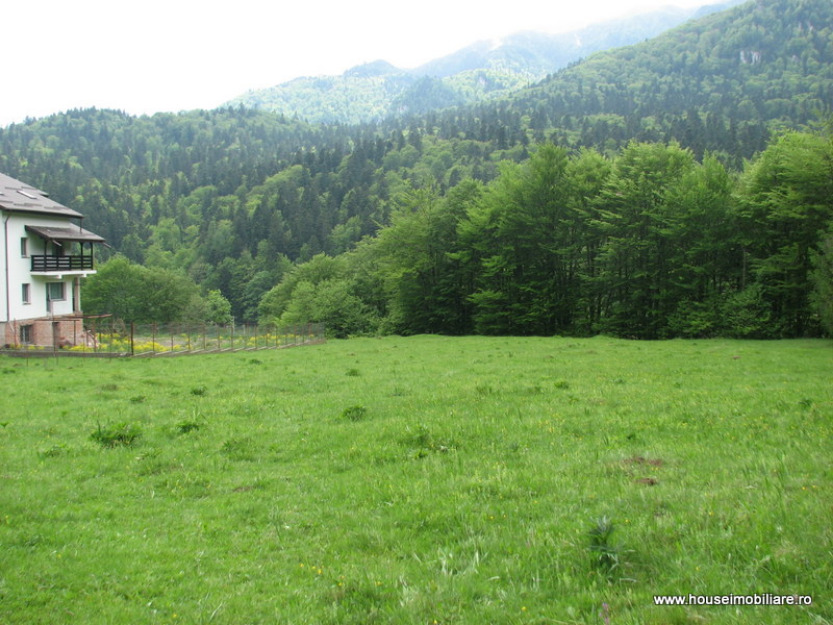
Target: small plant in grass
pixel 199 391
pixel 483 389
pixel 187 426
pixel 422 437
pixel 353 373
pixel 422 441
pixel 148 454
pixel 54 451
pixel 120 434
pixel 238 449
pixel 354 413
pixel 605 556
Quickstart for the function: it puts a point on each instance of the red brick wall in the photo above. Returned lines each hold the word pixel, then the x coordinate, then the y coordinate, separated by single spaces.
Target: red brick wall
pixel 69 332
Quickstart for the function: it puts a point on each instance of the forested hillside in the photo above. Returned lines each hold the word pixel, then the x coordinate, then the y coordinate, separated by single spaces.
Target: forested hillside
pixel 661 200
pixel 722 84
pixel 484 70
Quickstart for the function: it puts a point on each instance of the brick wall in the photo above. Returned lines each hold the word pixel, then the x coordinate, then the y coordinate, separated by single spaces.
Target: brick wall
pixel 66 331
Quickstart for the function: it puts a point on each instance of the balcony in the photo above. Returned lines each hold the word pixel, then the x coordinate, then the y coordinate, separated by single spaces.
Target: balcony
pixel 60 265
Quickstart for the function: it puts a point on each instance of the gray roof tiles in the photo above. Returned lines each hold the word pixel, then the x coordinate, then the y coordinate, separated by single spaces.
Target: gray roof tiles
pixel 16 196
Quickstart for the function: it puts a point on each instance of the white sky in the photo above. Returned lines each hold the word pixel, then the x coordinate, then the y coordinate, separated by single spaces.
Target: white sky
pixel 173 55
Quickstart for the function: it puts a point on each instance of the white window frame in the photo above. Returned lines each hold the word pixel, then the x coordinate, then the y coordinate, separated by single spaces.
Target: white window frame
pixel 26 293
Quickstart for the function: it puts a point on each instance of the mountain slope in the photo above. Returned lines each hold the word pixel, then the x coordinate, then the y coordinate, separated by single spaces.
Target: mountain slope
pixel 723 83
pixel 482 71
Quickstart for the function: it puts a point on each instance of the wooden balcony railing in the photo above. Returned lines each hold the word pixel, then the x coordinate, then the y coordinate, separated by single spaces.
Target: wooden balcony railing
pixel 61 263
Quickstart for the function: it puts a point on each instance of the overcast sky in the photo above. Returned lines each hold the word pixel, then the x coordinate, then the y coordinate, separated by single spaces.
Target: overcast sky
pixel 173 55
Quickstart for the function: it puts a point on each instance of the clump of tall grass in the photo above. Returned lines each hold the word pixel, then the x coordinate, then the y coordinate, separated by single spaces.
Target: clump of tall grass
pixel 117 435
pixel 187 426
pixel 605 555
pixel 422 441
pixel 239 449
pixel 354 413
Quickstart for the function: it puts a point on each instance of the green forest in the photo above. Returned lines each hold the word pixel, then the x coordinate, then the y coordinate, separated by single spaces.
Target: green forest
pixel 681 187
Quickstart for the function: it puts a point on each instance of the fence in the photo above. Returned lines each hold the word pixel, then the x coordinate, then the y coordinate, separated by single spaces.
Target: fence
pixel 111 337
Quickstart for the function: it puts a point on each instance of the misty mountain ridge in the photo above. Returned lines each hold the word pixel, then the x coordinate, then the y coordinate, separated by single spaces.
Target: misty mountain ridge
pixel 484 70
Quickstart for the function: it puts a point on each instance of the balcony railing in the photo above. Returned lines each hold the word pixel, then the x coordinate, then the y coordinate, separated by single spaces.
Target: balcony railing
pixel 61 263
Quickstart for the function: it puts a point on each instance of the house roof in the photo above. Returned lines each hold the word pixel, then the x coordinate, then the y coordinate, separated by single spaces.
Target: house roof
pixel 16 196
pixel 74 233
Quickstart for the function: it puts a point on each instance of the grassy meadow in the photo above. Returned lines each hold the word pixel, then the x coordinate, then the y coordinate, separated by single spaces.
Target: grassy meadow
pixel 419 480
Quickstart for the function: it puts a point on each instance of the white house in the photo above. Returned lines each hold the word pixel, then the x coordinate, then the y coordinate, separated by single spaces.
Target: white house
pixel 44 253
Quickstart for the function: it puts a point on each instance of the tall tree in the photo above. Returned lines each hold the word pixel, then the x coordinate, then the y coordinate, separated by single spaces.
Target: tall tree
pixel 787 206
pixel 636 256
pixel 422 277
pixel 822 275
pixel 529 238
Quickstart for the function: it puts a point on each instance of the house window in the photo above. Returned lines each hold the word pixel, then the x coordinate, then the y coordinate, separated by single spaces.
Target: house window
pixel 27 293
pixel 26 334
pixel 24 247
pixel 55 291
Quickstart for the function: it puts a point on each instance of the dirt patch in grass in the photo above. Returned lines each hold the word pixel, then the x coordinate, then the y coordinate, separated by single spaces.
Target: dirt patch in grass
pixel 639 460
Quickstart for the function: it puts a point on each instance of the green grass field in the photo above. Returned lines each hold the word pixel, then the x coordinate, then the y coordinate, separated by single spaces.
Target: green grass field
pixel 419 480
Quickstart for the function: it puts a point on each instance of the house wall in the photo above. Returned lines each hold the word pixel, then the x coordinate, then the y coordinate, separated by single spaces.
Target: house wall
pixel 4 217
pixel 16 271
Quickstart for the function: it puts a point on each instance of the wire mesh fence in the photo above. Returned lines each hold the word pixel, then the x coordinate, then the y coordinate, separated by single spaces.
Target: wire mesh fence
pixel 112 337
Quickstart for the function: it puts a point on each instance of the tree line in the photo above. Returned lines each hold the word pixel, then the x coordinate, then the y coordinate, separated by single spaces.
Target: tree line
pixel 650 244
